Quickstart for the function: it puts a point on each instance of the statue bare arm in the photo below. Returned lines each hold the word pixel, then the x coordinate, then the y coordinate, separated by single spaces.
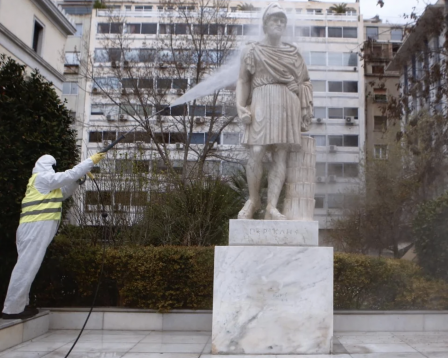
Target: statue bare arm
pixel 242 94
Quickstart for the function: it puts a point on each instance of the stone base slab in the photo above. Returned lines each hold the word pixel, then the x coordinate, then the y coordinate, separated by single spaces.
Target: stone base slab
pixel 272 300
pixel 273 232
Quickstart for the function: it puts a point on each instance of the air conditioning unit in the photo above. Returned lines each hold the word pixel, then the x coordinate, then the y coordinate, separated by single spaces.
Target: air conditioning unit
pixel 319 120
pixel 199 120
pixel 320 179
pixel 110 117
pixel 95 90
pixel 349 120
pixel 114 64
pixel 179 146
pixel 333 148
pixel 123 117
pixel 126 63
pixel 144 44
pixel 332 178
pixel 179 92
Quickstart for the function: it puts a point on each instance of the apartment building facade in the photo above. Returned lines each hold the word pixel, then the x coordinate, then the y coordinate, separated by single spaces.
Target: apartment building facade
pixel 328 42
pixel 382 42
pixel 34 33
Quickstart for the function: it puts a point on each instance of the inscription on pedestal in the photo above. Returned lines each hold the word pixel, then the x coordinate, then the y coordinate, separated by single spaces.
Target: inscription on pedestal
pixel 273 232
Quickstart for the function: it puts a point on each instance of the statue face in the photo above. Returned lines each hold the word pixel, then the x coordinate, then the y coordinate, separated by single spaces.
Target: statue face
pixel 275 26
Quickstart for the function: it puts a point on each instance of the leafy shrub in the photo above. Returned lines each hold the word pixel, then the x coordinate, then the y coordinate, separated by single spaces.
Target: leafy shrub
pixel 170 277
pixel 431 237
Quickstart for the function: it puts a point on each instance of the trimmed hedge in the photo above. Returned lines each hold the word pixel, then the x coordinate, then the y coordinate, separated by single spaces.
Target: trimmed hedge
pixel 165 278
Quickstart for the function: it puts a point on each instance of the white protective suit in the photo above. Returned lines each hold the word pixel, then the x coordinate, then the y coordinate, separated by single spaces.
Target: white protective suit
pixel 33 238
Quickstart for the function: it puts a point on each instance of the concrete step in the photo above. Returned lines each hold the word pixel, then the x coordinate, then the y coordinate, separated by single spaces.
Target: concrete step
pixel 17 331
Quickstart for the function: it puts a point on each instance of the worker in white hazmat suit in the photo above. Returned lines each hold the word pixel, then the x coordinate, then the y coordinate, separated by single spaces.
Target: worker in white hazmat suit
pixel 39 220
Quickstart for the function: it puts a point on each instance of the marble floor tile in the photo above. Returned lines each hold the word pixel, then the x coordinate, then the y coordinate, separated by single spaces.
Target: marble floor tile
pixel 97 346
pixel 369 339
pixel 15 354
pixel 436 355
pixel 119 332
pixel 417 338
pixel 160 355
pixel 388 355
pixel 430 347
pixel 62 354
pixel 167 348
pixel 379 348
pixel 124 338
pixel 277 356
pixel 164 339
pixel 39 347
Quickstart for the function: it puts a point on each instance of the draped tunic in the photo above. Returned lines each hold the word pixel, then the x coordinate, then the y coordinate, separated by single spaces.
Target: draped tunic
pixel 278 114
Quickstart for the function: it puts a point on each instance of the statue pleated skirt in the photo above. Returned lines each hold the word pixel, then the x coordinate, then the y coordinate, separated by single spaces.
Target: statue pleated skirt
pixel 276 116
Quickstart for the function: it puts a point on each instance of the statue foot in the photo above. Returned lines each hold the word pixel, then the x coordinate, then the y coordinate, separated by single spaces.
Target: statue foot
pixel 248 210
pixel 273 214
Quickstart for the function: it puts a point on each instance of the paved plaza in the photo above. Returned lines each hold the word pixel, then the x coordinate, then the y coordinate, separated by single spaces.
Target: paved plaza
pixel 182 344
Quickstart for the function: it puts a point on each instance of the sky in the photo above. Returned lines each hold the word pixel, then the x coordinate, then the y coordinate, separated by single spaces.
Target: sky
pixel 393 10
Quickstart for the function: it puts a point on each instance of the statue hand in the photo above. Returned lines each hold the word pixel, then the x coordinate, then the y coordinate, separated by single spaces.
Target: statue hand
pixel 245 115
pixel 293 87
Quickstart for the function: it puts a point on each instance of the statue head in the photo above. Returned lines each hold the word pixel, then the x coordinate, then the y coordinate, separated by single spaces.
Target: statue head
pixel 274 20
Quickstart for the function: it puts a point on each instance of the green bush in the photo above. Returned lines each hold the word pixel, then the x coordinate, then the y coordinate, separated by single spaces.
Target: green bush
pixel 170 277
pixel 431 237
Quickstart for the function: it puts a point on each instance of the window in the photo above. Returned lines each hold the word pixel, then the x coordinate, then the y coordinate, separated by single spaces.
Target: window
pixel 110 27
pixel 108 135
pixel 320 112
pixel 101 55
pixel 350 32
pixel 302 31
pixel 133 28
pixel 319 201
pixel 234 29
pixel 350 140
pixel 372 33
pixel 321 170
pixel 320 140
pixel 379 123
pixel 164 83
pixel 78 30
pixel 343 140
pixel 166 29
pixel 318 58
pixel 197 138
pixel 108 55
pixel 251 30
pixel 180 83
pixel 352 112
pixel 95 137
pixel 380 95
pixel 349 59
pixel 317 31
pixel 147 55
pixel 181 29
pixel 143 8
pixel 335 59
pixel 334 31
pixel 334 86
pixel 319 86
pixel 335 201
pixel 140 137
pixel 396 34
pixel 38 37
pixel 377 69
pixel 230 138
pixel 149 28
pixel 198 111
pixel 336 169
pixel 380 151
pixel 335 113
pixel 351 86
pixel 116 28
pixel 70 88
pixel 72 58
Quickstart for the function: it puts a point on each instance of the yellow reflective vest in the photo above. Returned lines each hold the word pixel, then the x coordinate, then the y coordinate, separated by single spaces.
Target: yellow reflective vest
pixel 40 207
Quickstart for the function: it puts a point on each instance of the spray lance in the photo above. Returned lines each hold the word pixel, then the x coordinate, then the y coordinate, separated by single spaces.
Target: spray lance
pixel 119 139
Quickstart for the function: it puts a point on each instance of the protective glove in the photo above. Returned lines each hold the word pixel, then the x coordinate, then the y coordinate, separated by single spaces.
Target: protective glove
pixel 96 158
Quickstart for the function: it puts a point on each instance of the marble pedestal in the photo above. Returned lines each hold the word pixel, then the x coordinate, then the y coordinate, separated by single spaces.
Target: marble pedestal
pixel 272 299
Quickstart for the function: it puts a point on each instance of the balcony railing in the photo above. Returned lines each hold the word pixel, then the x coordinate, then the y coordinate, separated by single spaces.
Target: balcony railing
pixel 237 15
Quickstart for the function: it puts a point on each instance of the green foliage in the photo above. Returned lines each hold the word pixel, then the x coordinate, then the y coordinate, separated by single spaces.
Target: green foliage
pixel 339 8
pixel 196 213
pixel 431 237
pixel 170 277
pixel 33 122
pixel 98 4
pixel 365 282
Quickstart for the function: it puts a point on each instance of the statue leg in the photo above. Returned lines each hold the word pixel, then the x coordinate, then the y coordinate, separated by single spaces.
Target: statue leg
pixel 254 172
pixel 276 179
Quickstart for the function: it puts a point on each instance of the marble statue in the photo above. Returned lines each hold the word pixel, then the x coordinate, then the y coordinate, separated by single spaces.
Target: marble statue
pixel 274 101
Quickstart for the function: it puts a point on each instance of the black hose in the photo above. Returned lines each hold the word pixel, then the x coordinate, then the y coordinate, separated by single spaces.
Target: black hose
pixel 104 216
